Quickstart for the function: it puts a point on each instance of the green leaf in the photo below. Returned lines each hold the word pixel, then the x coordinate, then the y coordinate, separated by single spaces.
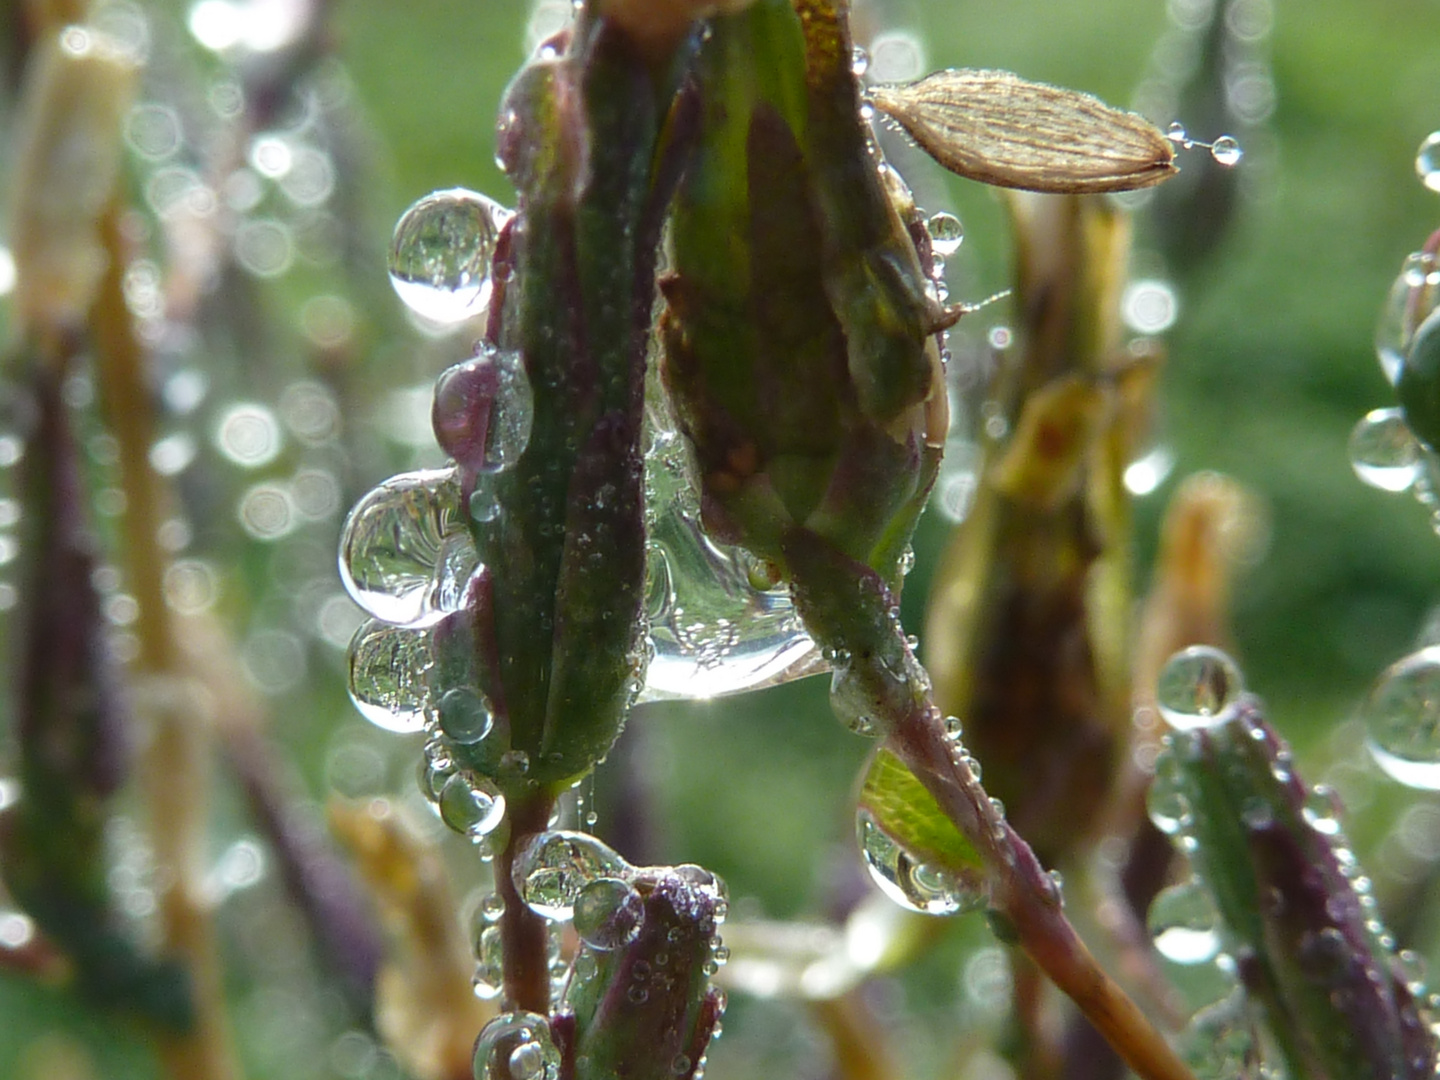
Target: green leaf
pixel 909 814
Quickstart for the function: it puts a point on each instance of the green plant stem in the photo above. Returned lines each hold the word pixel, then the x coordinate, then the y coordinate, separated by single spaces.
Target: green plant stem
pixel 847 607
pixel 525 935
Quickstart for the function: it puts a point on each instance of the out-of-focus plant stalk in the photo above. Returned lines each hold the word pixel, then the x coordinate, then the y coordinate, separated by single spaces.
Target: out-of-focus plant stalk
pixel 425 1007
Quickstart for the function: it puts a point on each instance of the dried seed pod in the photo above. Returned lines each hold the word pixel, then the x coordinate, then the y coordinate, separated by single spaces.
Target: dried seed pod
pixel 998 128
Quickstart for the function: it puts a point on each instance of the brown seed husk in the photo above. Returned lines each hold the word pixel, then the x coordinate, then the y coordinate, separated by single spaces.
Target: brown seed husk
pixel 1000 129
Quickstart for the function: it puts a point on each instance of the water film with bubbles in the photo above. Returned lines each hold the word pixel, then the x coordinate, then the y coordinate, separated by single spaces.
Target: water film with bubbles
pixel 441 251
pixel 912 884
pixel 718 624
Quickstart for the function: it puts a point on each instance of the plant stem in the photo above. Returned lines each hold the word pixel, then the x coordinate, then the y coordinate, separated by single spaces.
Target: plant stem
pixel 178 758
pixel 525 934
pixel 846 606
pixel 1025 895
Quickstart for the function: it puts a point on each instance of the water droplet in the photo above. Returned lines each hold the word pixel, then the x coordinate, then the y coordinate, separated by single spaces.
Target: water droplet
pixel 483 410
pixel 553 867
pixel 391 546
pixel 911 884
pixel 608 913
pixel 264 247
pixel 1226 150
pixel 1418 388
pixel 440 254
pixel 465 715
pixel 946 234
pixel 387 675
pixel 1176 134
pixel 1199 687
pixel 713 631
pixel 1383 453
pixel 1402 720
pixel 1184 923
pixel 1412 297
pixel 896 56
pixel 516 1046
pixel 471 805
pixel 1166 801
pixel 1427 161
pixel 859 61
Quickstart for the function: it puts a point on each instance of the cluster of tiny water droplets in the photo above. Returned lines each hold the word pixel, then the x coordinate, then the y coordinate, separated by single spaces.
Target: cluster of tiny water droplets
pixel 914 885
pixel 718 623
pixel 516 1046
pixel 1199 687
pixel 441 253
pixel 1402 720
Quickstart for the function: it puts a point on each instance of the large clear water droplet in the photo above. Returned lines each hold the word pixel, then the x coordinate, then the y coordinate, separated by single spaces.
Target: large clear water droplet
pixel 484 409
pixel 1185 924
pixel 1412 297
pixel 946 234
pixel 391 547
pixel 1383 453
pixel 608 913
pixel 440 254
pixel 717 626
pixel 516 1046
pixel 553 867
pixel 1402 720
pixel 471 805
pixel 1199 687
pixel 910 883
pixel 387 675
pixel 1427 161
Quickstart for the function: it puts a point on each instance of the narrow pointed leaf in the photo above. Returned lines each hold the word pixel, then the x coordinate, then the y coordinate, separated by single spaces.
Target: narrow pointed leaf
pixel 909 814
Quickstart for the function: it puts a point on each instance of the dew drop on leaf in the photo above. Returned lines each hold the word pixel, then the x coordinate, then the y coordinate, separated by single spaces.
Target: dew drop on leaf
pixel 608 913
pixel 466 716
pixel 553 867
pixel 1383 453
pixel 911 884
pixel 440 254
pixel 1199 687
pixel 391 546
pixel 1184 924
pixel 1418 387
pixel 1402 720
pixel 484 409
pixel 946 234
pixel 387 675
pixel 473 806
pixel 516 1046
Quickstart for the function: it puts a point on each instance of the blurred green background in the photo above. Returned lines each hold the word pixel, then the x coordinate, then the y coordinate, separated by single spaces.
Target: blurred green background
pixel 1271 364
